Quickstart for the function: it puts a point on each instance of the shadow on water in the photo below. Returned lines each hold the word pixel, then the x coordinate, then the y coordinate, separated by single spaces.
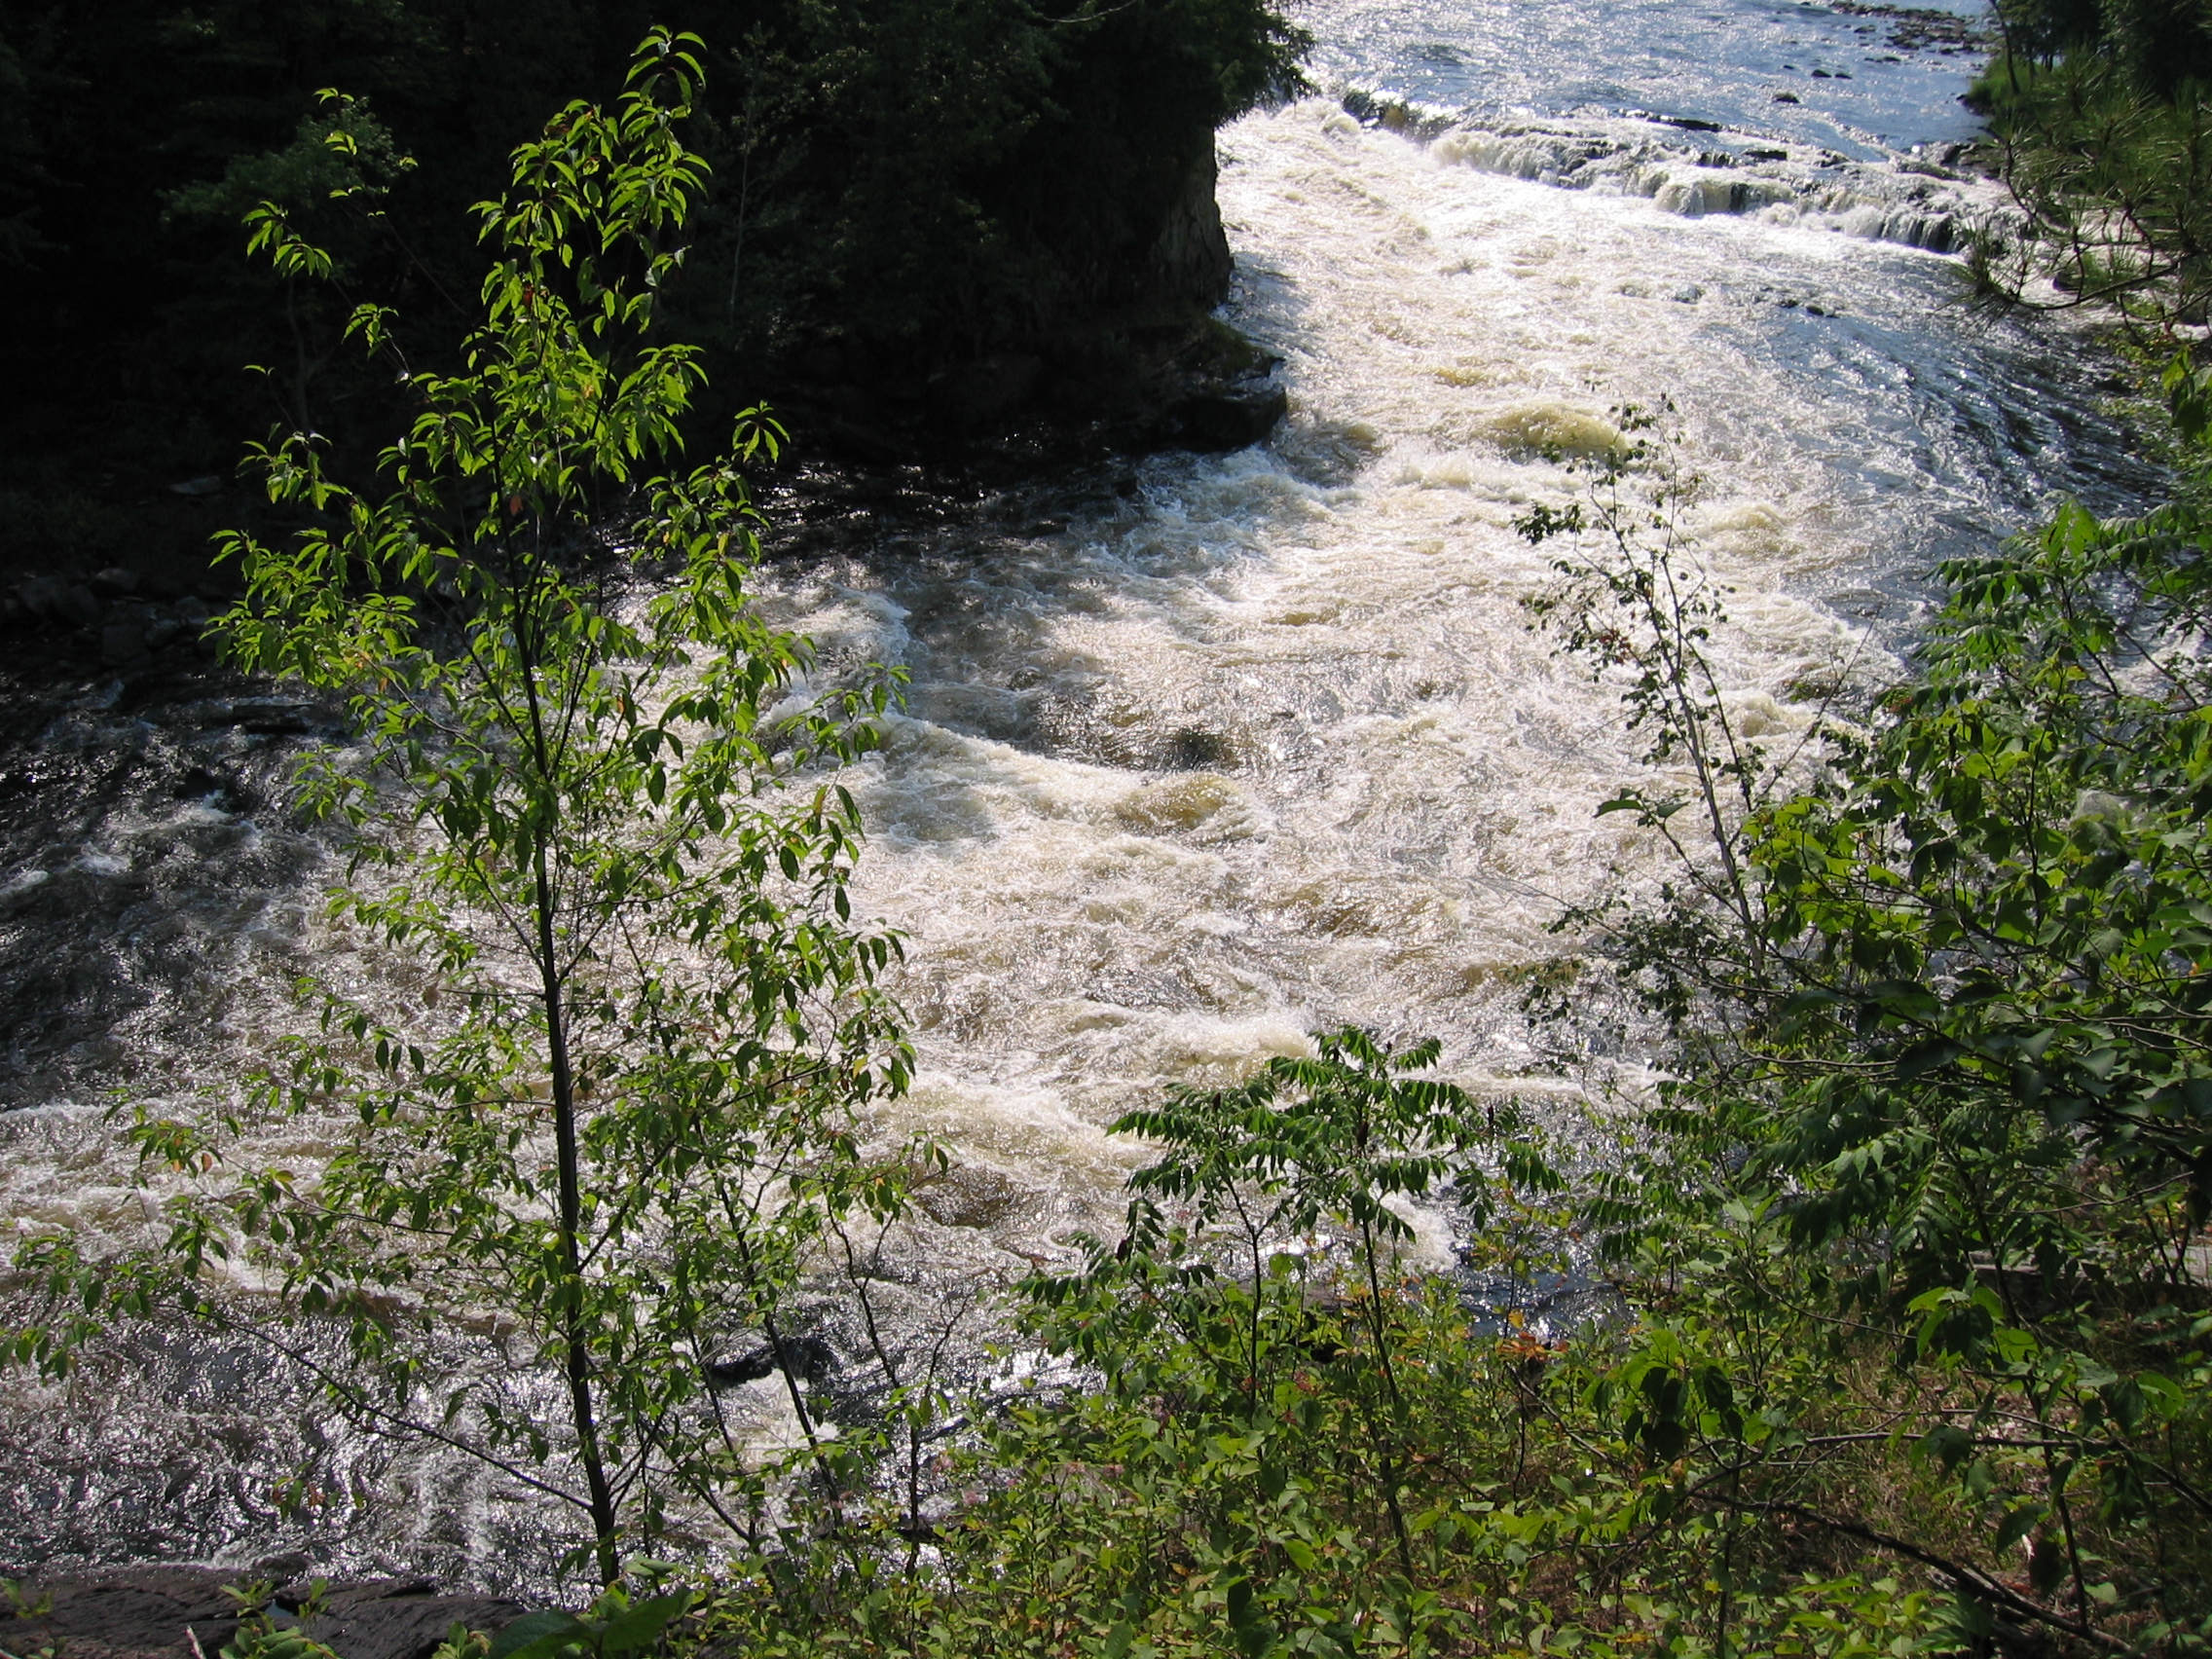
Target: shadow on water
pixel 151 877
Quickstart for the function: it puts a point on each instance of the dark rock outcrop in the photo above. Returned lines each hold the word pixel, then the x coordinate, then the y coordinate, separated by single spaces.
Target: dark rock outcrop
pixel 1227 419
pixel 985 391
pixel 1191 262
pixel 401 1618
pixel 167 1613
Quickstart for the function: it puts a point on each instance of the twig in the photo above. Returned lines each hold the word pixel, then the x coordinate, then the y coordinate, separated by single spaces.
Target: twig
pixel 1967 1578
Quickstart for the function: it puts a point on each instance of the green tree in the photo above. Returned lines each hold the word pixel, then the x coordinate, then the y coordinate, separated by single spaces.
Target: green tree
pixel 2099 122
pixel 1928 994
pixel 1935 1017
pixel 1247 1178
pixel 586 795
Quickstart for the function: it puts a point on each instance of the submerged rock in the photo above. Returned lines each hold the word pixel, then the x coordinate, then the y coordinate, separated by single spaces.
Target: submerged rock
pixel 807 1357
pixel 123 642
pixel 58 599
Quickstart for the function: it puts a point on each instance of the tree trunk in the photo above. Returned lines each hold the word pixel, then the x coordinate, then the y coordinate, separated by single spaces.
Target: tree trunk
pixel 575 1340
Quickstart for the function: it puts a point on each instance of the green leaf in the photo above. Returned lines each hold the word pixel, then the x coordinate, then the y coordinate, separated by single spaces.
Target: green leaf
pixel 641 1625
pixel 1924 1057
pixel 2017 1524
pixel 539 1636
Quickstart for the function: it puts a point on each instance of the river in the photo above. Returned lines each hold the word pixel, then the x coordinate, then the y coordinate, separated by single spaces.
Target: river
pixel 1265 741
pixel 1206 753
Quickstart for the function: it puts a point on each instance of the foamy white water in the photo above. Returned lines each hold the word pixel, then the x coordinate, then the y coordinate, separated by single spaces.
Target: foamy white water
pixel 1271 746
pixel 1865 80
pixel 1245 745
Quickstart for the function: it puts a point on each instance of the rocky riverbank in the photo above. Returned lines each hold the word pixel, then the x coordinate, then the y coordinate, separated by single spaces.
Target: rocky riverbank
pixel 186 1613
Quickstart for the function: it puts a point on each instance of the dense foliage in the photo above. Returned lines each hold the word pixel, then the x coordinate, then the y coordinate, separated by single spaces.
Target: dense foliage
pixel 2157 45
pixel 1952 1105
pixel 1289 1444
pixel 2100 126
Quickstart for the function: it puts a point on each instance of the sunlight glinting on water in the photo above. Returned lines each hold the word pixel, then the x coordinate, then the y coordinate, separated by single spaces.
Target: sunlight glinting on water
pixel 1272 745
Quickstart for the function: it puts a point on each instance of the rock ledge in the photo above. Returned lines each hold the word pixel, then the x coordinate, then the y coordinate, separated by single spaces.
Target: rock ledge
pixel 160 1612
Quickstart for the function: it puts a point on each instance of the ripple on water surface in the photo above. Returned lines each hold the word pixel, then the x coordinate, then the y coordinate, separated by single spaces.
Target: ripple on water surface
pixel 1272 744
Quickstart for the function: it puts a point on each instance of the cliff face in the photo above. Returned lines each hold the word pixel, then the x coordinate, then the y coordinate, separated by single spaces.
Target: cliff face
pixel 901 195
pixel 981 185
pixel 1191 263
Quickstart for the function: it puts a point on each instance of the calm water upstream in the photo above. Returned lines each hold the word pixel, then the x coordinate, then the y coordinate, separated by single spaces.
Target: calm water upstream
pixel 1216 750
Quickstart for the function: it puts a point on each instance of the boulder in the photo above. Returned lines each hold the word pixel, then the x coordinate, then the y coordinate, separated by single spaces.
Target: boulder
pixel 808 1357
pixel 1218 421
pixel 123 640
pixel 400 1618
pixel 986 390
pixel 131 1612
pixel 61 600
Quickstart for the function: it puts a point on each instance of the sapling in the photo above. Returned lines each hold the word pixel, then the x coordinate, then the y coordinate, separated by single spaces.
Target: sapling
pixel 1248 1178
pixel 586 790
